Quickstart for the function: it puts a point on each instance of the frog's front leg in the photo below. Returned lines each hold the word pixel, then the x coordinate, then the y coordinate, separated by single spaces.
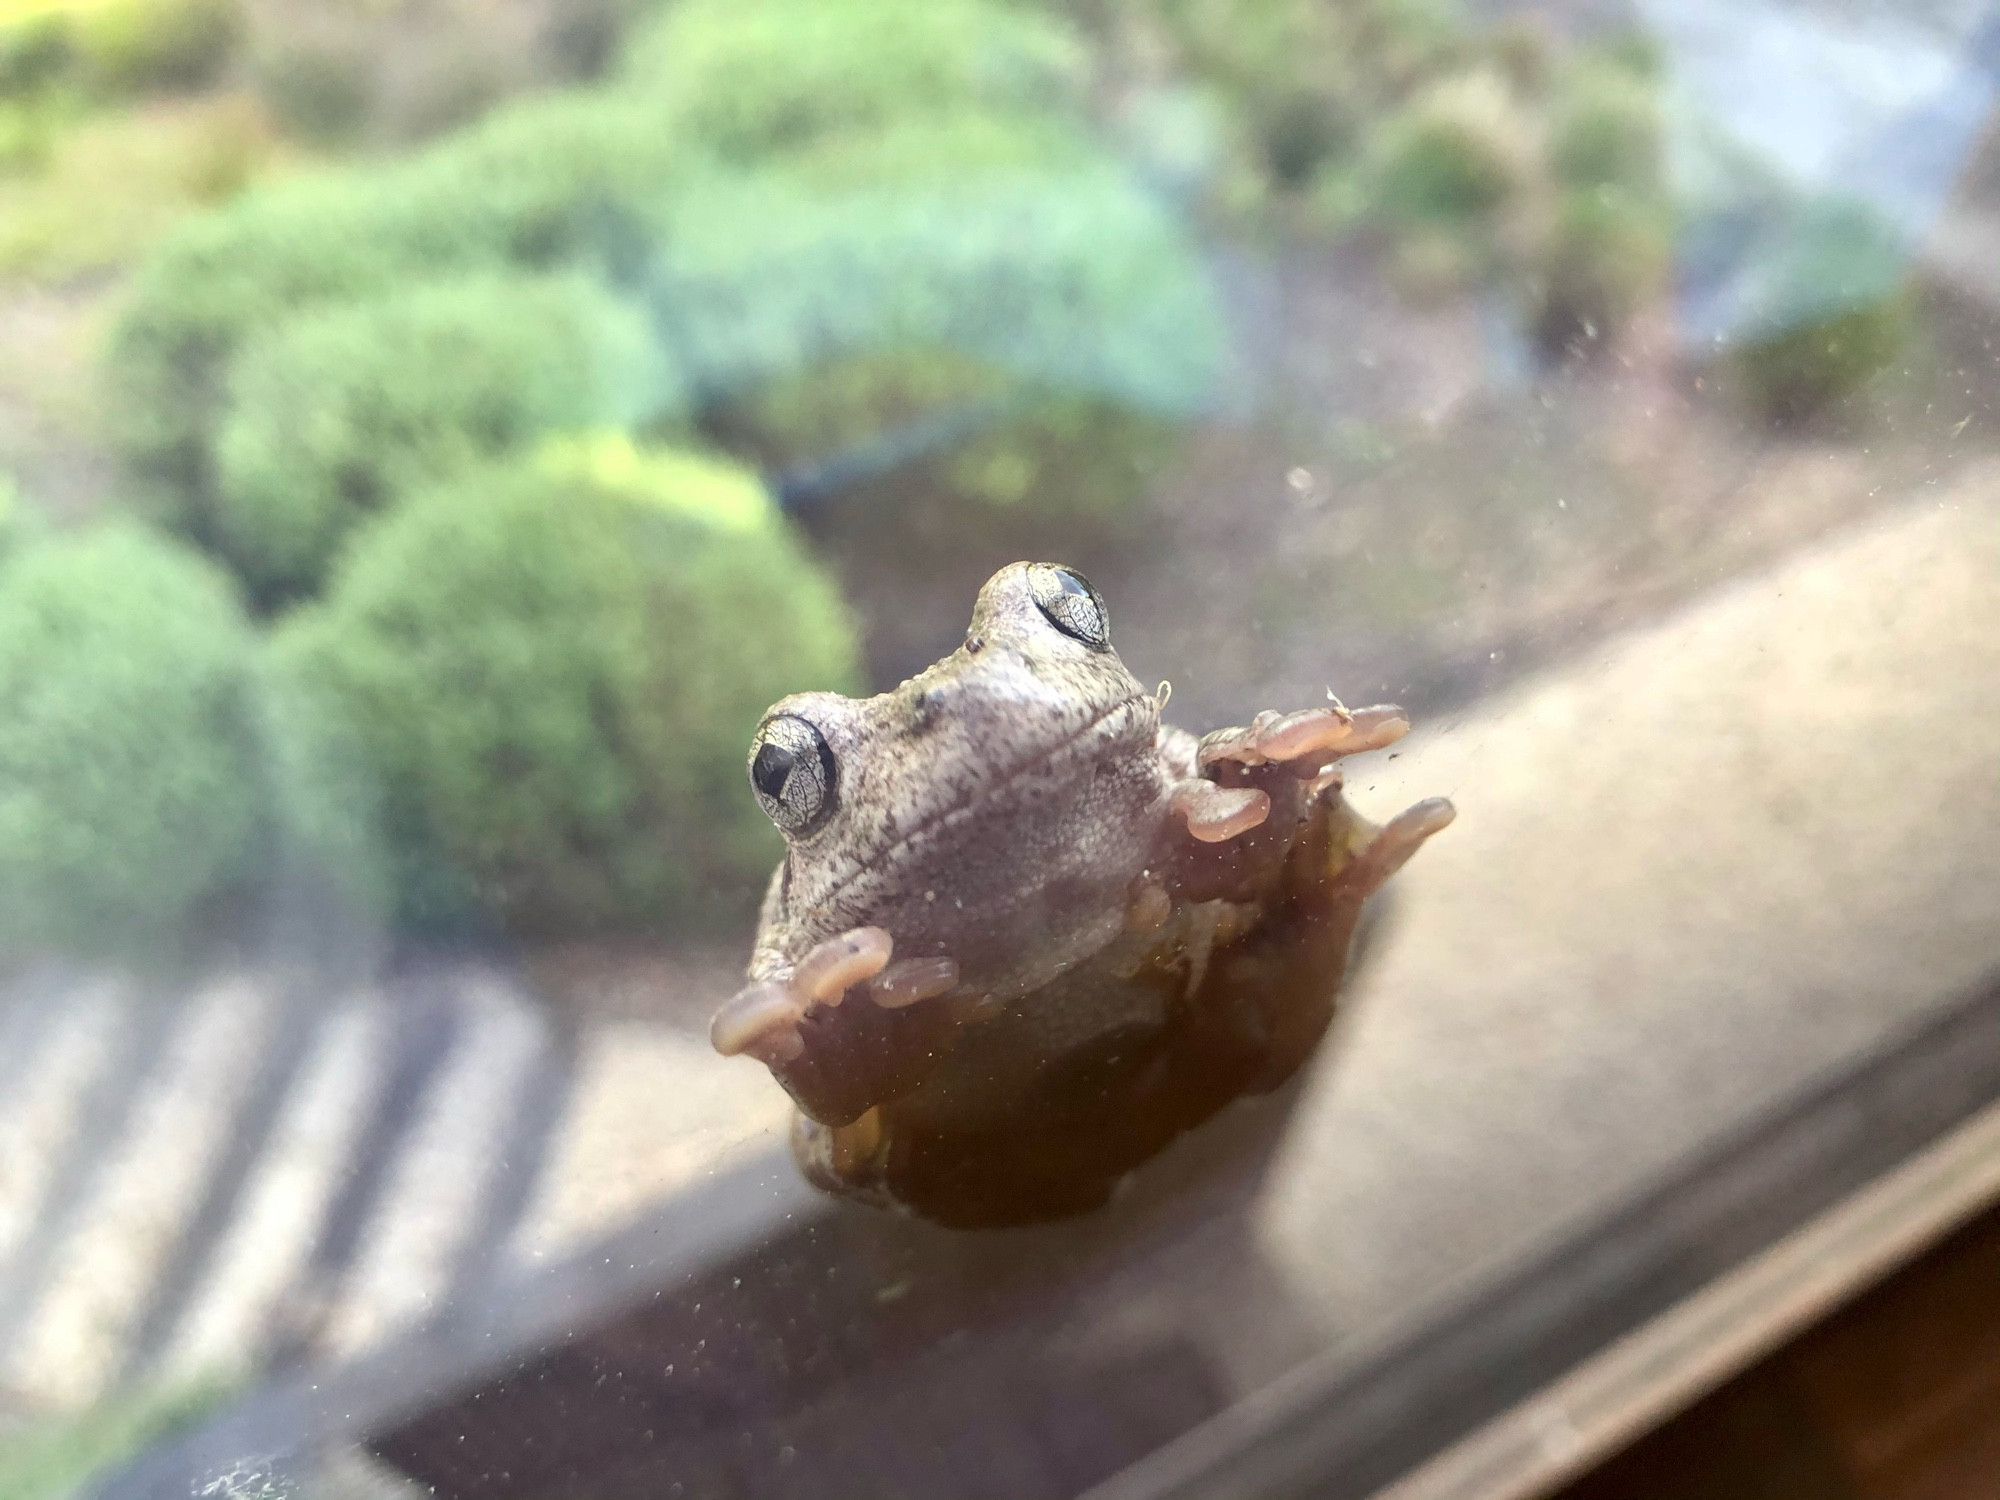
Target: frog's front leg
pixel 1248 796
pixel 836 1067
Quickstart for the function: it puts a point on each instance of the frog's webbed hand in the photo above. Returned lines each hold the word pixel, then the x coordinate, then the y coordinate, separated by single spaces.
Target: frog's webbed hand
pixel 837 1066
pixel 1308 740
pixel 1229 788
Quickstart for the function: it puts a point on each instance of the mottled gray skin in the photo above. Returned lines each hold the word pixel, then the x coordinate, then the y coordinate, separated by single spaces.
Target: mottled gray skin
pixel 993 809
pixel 1039 933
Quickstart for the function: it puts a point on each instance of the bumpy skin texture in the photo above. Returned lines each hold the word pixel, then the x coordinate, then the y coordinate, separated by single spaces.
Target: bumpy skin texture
pixel 1024 933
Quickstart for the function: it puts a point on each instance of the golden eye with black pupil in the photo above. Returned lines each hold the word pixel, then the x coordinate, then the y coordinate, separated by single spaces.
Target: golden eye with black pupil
pixel 792 771
pixel 1071 603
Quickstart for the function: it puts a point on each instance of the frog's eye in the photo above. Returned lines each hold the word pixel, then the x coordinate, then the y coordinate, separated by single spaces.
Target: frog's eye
pixel 1071 604
pixel 792 773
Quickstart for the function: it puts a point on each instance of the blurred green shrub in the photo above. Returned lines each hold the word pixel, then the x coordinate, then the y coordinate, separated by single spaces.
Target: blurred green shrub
pixel 116 47
pixel 108 186
pixel 555 666
pixel 1829 311
pixel 337 413
pixel 37 50
pixel 1606 252
pixel 1470 154
pixel 919 179
pixel 320 91
pixel 128 758
pixel 533 186
pixel 1796 374
pixel 753 81
pixel 1454 156
pixel 134 46
pixel 1302 81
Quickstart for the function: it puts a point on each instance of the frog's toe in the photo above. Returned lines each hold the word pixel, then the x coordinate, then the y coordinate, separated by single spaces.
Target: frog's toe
pixel 1215 813
pixel 763 1018
pixel 1307 739
pixel 1391 849
pixel 909 980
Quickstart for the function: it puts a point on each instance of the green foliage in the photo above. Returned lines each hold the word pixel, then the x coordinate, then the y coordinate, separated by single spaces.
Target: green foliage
pixel 532 186
pixel 1069 280
pixel 1605 129
pixel 1500 156
pixel 1798 373
pixel 754 81
pixel 555 667
pixel 339 412
pixel 1303 80
pixel 127 754
pixel 54 1458
pixel 100 191
pixel 131 46
pixel 116 47
pixel 1454 156
pixel 20 525
pixel 918 179
pixel 1606 252
pixel 1828 312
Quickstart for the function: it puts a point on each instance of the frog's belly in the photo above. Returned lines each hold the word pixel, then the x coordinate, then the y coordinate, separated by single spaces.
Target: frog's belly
pixel 1051 1040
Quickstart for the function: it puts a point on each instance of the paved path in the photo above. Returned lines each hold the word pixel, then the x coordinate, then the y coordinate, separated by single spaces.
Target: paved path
pixel 259 1168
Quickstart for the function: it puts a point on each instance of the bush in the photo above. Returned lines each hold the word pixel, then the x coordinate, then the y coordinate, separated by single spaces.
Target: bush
pixel 129 46
pixel 338 413
pixel 1607 252
pixel 118 46
pixel 1606 129
pixel 127 749
pixel 753 81
pixel 1826 309
pixel 534 186
pixel 936 192
pixel 1803 372
pixel 1455 156
pixel 1304 81
pixel 555 667
pixel 111 185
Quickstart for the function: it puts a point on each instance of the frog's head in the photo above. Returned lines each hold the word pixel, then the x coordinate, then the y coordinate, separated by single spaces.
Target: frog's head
pixel 1002 792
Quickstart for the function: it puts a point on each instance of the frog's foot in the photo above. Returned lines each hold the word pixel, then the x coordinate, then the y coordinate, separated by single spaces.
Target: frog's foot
pixel 844 1159
pixel 1392 847
pixel 1306 741
pixel 1224 798
pixel 763 1019
pixel 1216 813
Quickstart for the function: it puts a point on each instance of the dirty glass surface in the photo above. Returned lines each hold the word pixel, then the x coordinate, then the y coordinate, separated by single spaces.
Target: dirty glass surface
pixel 431 435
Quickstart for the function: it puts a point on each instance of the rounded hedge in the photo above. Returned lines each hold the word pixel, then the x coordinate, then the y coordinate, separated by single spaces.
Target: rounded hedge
pixel 128 752
pixel 336 414
pixel 539 185
pixel 754 80
pixel 554 667
pixel 1455 155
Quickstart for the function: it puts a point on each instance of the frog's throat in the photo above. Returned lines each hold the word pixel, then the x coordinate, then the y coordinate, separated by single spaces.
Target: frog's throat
pixel 1142 701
